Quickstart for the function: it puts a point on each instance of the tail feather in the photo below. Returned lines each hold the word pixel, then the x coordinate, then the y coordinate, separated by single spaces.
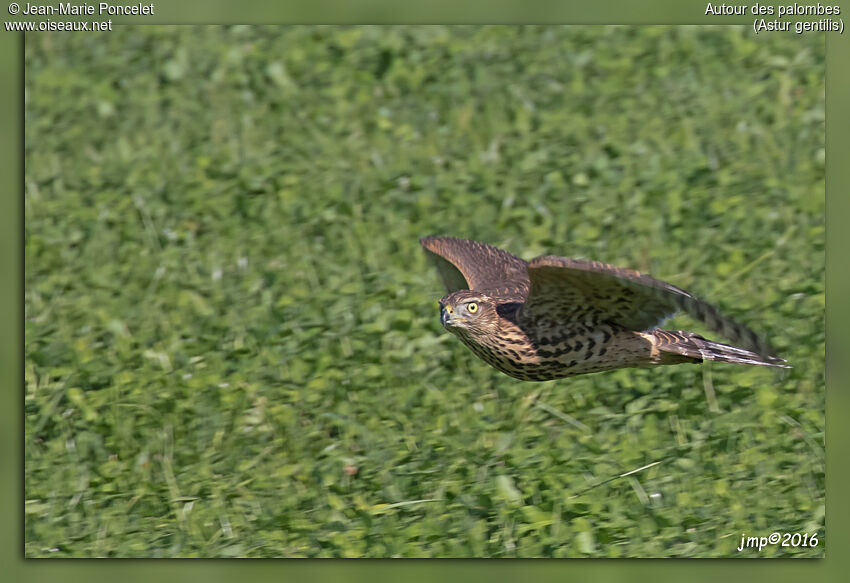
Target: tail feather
pixel 695 347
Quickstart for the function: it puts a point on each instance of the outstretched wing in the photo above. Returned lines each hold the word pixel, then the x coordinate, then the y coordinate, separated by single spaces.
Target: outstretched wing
pixel 465 264
pixel 570 290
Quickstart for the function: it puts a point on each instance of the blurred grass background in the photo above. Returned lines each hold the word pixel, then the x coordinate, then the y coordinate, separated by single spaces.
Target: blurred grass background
pixel 232 341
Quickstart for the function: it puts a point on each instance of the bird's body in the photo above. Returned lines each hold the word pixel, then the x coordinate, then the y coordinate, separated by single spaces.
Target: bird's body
pixel 555 317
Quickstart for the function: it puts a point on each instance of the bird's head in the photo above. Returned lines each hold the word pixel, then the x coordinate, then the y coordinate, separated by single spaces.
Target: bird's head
pixel 469 311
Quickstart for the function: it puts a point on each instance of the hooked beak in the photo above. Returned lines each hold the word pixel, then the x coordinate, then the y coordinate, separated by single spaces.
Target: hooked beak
pixel 447 316
pixel 444 316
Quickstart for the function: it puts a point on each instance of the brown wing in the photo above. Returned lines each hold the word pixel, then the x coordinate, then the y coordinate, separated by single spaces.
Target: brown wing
pixel 570 290
pixel 465 264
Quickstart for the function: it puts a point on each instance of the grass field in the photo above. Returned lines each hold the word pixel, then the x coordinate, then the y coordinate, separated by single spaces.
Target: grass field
pixel 233 346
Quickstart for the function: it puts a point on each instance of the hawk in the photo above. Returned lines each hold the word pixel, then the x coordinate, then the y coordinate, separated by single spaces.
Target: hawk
pixel 554 317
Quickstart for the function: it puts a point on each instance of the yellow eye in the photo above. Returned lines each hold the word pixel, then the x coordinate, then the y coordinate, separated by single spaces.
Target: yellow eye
pixel 472 307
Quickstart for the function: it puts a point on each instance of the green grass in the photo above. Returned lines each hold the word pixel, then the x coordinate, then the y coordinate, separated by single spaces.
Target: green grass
pixel 232 340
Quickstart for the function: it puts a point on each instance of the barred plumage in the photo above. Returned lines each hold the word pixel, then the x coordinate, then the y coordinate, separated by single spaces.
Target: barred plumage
pixel 554 317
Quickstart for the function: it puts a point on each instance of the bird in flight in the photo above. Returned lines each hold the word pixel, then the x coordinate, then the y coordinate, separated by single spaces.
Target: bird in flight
pixel 554 317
